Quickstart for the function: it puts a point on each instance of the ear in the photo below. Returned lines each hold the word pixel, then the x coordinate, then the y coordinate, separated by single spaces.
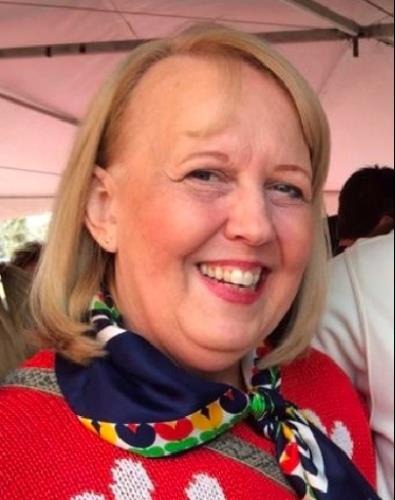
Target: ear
pixel 100 214
pixel 384 226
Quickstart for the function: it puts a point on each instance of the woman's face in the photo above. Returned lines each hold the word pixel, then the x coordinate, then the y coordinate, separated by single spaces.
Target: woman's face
pixel 212 210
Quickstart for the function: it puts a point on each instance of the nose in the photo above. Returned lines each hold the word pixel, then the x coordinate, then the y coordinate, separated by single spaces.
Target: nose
pixel 249 218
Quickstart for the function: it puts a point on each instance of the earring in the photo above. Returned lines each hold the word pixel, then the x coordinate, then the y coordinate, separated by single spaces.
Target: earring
pixel 105 243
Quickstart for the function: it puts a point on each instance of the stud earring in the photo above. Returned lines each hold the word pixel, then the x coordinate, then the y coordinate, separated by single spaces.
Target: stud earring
pixel 105 243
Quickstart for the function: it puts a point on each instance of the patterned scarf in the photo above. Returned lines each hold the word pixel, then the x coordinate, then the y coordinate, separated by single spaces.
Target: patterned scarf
pixel 139 400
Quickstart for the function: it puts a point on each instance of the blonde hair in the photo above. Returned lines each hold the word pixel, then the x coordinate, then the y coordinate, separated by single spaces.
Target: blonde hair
pixel 74 266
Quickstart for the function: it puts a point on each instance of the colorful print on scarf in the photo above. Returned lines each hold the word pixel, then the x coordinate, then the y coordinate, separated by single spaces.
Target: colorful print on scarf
pixel 157 440
pixel 128 399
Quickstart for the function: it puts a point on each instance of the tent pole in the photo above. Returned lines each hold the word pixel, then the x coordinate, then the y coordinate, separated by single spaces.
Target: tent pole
pixel 27 197
pixel 71 120
pixel 342 23
pixel 30 170
pixel 355 46
pixel 378 32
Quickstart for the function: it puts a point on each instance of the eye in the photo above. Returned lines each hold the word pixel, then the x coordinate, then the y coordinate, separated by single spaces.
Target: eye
pixel 290 190
pixel 284 192
pixel 208 183
pixel 204 175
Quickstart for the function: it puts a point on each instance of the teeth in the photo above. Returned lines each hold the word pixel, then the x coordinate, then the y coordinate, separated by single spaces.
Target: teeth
pixel 233 276
pixel 248 279
pixel 237 277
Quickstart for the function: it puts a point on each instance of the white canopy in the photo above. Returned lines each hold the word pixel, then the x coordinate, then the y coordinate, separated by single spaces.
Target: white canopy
pixel 55 53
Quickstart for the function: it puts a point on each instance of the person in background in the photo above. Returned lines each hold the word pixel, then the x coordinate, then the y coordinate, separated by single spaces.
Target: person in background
pixel 15 318
pixel 12 347
pixel 333 235
pixel 187 225
pixel 17 277
pixel 27 256
pixel 357 331
pixel 366 205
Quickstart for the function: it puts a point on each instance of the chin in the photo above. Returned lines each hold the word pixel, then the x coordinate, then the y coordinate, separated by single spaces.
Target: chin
pixel 213 355
pixel 231 336
pixel 210 365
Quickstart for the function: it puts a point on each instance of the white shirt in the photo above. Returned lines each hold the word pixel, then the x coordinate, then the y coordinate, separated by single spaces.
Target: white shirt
pixel 358 333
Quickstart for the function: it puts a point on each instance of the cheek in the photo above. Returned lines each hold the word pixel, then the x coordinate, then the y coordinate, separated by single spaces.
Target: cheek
pixel 165 228
pixel 295 232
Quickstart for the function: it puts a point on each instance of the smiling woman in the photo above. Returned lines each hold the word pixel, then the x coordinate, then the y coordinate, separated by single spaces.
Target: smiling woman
pixel 183 271
pixel 236 210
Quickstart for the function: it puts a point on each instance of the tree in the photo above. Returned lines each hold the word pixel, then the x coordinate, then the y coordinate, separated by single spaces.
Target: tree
pixel 15 232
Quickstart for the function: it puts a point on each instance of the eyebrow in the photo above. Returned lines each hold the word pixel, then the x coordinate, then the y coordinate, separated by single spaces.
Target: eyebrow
pixel 223 157
pixel 295 168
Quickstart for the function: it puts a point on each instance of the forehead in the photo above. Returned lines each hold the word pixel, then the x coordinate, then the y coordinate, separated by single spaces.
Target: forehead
pixel 176 84
pixel 173 87
pixel 199 97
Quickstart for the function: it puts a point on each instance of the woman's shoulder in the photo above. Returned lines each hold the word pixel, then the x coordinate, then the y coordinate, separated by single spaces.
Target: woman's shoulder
pixel 316 381
pixel 316 365
pixel 326 395
pixel 40 436
pixel 42 359
pixel 36 373
pixel 29 396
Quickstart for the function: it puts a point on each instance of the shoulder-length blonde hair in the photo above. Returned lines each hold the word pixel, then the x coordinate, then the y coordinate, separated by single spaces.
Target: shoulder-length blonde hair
pixel 73 265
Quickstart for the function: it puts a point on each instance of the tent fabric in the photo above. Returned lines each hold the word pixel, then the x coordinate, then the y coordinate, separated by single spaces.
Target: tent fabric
pixel 42 98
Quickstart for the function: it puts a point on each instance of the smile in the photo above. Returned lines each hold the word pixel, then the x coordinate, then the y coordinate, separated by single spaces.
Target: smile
pixel 240 283
pixel 232 275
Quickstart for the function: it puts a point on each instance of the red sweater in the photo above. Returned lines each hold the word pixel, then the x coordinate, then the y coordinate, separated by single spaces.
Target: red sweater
pixel 46 454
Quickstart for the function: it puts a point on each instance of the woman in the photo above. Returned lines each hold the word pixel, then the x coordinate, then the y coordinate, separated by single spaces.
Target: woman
pixel 187 228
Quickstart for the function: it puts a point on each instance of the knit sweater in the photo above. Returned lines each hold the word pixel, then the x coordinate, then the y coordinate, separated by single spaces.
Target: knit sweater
pixel 46 453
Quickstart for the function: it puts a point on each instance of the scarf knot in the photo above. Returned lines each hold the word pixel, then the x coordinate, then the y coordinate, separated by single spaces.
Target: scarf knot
pixel 267 407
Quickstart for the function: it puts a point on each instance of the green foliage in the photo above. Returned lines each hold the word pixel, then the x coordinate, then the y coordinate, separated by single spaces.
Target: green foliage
pixel 16 232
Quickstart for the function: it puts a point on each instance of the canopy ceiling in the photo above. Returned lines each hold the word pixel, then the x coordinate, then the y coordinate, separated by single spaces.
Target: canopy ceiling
pixel 343 47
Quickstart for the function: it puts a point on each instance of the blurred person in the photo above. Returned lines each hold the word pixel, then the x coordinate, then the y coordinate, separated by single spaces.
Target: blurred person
pixel 187 226
pixel 366 205
pixel 358 333
pixel 333 233
pixel 27 256
pixel 12 345
pixel 16 278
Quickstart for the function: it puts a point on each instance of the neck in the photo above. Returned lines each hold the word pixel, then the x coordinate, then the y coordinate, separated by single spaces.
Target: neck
pixel 346 242
pixel 231 376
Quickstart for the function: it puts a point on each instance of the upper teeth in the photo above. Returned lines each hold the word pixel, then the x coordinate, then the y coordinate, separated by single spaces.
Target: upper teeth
pixel 235 276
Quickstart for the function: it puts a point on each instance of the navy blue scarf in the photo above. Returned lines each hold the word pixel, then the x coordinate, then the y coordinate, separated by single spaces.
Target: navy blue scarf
pixel 139 400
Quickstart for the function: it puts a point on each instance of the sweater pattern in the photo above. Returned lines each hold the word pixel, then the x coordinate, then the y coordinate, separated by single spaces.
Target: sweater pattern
pixel 73 463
